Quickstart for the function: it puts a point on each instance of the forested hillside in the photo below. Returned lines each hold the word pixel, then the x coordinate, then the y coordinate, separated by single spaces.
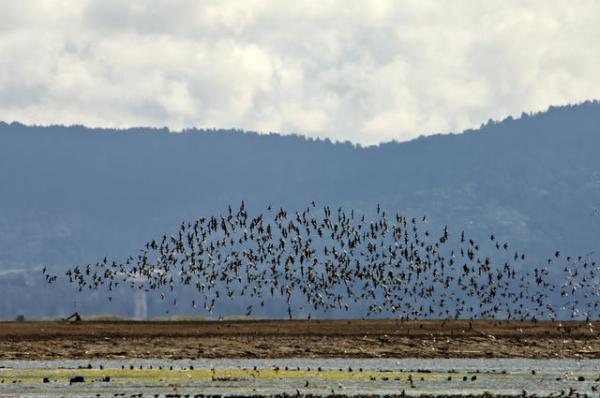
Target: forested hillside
pixel 71 195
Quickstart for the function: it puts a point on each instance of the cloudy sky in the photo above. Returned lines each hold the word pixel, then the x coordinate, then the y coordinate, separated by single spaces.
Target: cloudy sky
pixel 364 71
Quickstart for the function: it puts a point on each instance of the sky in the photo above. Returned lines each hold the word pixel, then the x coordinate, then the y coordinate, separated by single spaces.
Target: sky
pixel 359 71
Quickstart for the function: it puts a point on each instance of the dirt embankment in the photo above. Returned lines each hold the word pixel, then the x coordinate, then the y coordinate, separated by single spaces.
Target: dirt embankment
pixel 308 339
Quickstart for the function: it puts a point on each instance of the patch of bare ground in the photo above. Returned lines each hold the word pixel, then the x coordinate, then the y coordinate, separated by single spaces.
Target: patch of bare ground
pixel 291 339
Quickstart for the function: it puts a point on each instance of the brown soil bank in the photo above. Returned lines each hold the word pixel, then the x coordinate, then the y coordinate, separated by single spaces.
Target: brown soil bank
pixel 308 339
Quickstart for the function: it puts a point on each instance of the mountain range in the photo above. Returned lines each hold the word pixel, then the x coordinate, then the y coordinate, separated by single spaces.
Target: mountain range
pixel 72 195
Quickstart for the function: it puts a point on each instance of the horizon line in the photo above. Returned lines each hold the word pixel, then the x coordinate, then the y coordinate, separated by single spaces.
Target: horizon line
pixel 335 141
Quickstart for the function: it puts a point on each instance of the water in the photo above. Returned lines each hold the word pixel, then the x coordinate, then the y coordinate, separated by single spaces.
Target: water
pixel 339 376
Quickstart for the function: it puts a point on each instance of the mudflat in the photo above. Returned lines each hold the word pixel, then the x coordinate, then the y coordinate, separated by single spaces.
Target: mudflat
pixel 45 340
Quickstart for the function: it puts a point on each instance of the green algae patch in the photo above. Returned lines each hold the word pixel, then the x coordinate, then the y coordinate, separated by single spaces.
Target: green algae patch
pixel 219 375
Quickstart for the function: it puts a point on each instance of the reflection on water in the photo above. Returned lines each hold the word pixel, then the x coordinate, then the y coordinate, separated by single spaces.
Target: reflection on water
pixel 293 376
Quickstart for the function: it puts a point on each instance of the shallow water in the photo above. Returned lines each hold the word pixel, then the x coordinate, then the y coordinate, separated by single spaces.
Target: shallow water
pixel 340 376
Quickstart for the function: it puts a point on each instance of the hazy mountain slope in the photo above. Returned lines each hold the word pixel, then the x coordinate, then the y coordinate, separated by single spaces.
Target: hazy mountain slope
pixel 71 194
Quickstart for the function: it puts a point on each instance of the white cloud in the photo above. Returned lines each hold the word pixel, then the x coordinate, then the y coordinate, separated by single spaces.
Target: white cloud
pixel 365 71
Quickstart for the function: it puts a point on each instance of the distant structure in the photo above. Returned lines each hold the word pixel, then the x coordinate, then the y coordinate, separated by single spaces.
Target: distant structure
pixel 73 318
pixel 140 309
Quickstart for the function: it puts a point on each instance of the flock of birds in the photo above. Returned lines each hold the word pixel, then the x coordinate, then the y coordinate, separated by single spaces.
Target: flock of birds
pixel 320 260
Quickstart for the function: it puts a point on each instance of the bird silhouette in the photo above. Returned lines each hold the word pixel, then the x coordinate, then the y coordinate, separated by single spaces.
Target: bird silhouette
pixel 318 260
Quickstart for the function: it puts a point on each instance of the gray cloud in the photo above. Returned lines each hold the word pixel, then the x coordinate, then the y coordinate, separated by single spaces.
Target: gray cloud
pixel 349 70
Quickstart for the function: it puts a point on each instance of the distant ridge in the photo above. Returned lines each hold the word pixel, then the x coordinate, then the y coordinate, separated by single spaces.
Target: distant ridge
pixel 147 129
pixel 73 194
